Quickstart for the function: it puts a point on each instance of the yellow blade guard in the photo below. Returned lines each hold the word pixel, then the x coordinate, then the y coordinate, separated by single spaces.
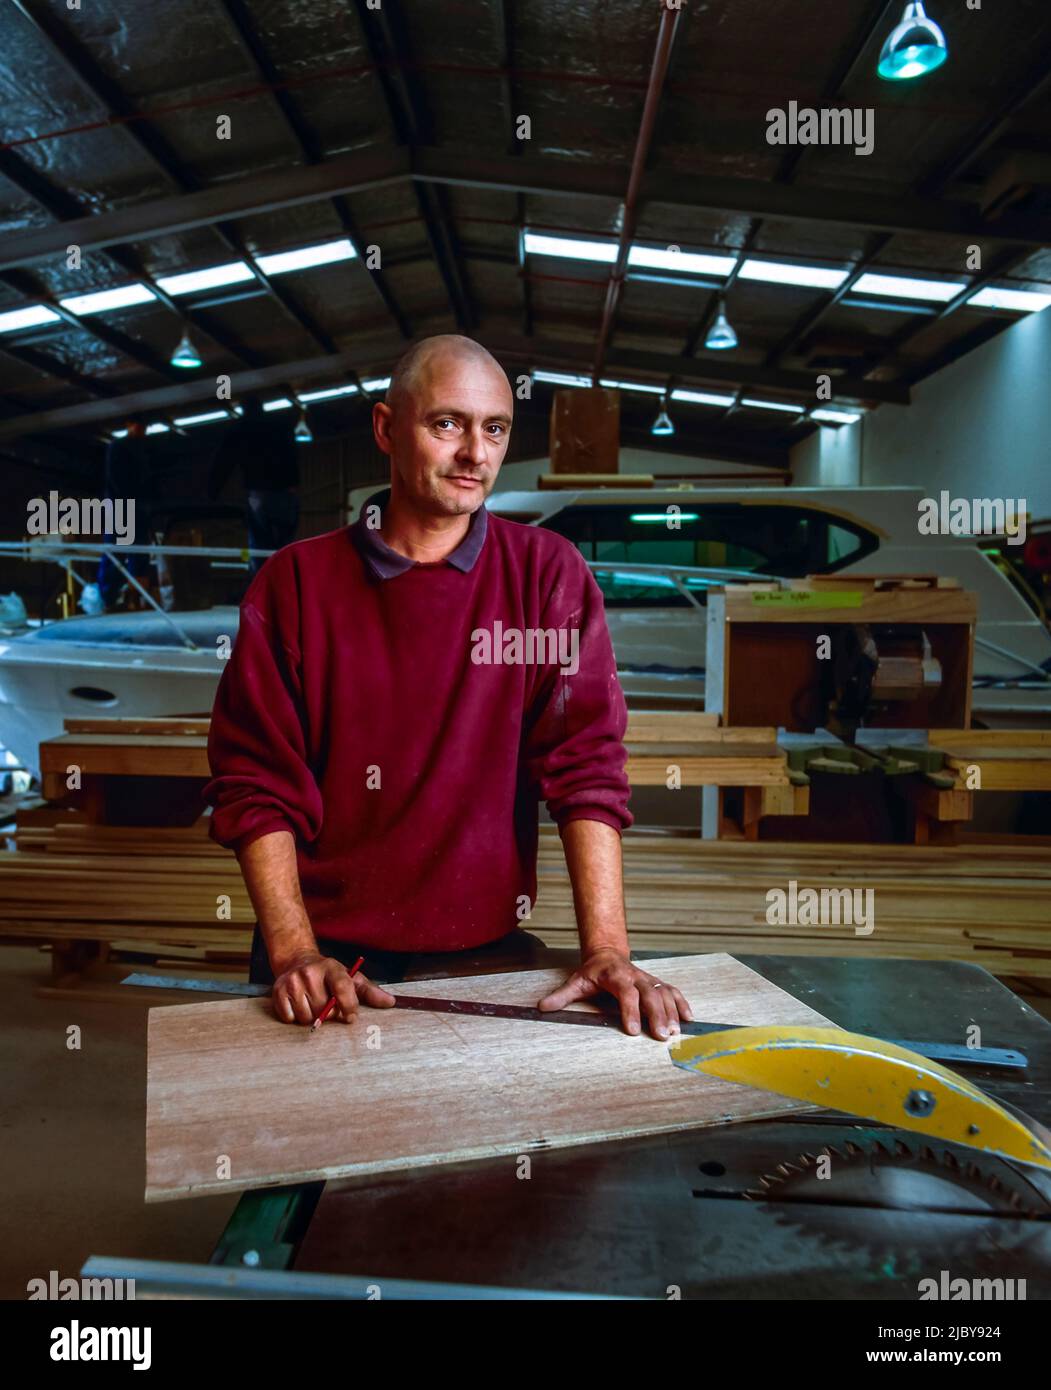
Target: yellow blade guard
pixel 866 1077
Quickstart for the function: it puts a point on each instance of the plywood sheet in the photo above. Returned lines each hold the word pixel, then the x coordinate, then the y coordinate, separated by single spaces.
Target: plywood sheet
pixel 284 1105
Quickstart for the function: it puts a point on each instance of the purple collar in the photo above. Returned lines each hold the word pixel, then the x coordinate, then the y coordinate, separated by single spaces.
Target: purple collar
pixel 386 563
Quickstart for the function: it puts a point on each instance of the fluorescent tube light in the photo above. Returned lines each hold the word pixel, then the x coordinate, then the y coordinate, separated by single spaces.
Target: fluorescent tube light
pixel 634 386
pixel 233 273
pixel 562 379
pixel 686 262
pixel 772 405
pixel 99 301
pixel 306 256
pixel 570 248
pixel 836 417
pixel 30 317
pixel 202 419
pixel 282 403
pixel 328 393
pixel 1022 301
pixel 701 398
pixel 908 287
pixel 782 273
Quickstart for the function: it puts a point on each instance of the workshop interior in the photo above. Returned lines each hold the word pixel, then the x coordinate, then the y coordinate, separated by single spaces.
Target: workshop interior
pixel 764 289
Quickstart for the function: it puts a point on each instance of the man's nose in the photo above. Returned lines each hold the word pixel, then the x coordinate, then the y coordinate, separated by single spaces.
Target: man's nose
pixel 472 447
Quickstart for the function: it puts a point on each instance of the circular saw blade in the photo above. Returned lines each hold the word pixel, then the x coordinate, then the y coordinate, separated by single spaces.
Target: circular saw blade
pixel 897 1180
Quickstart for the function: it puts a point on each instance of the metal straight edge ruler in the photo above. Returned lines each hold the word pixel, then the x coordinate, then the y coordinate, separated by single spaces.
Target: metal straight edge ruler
pixel 957 1053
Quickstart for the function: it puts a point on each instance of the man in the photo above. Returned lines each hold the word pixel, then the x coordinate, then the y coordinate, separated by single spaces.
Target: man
pixel 264 448
pixel 378 746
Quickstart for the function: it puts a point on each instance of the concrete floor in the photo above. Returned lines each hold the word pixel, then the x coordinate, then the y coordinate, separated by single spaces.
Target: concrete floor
pixel 72 1138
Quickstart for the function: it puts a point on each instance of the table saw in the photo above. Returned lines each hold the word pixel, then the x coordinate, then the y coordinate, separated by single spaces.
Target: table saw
pixel 732 1212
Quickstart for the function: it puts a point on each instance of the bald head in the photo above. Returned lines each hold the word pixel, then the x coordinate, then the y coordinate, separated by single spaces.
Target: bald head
pixel 445 425
pixel 442 350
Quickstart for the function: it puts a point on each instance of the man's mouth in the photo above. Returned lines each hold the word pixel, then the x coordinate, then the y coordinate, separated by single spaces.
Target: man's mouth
pixel 462 480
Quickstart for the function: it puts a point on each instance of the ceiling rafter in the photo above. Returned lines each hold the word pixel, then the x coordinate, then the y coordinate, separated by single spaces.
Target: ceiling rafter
pixel 286 375
pixel 381 166
pixel 667 29
pixel 977 140
pixel 874 19
pixel 240 22
pixel 113 100
pixel 389 51
pixel 503 38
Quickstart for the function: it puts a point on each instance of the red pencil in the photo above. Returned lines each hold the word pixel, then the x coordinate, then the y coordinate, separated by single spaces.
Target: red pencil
pixel 332 1002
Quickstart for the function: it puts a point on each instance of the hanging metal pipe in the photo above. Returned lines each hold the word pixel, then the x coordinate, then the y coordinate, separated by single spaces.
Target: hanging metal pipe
pixel 670 11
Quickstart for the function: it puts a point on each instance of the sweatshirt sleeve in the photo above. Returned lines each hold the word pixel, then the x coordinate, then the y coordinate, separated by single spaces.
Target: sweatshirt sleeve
pixel 573 742
pixel 261 780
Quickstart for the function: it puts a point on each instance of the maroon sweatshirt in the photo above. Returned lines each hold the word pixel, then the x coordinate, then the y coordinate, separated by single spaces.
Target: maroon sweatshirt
pixel 402 721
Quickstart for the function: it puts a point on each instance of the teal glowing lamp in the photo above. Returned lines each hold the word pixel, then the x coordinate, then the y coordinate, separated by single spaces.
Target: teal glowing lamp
pixel 915 47
pixel 721 335
pixel 302 432
pixel 185 355
pixel 663 423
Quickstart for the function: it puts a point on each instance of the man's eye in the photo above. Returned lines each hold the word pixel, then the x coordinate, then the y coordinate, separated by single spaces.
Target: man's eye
pixel 446 422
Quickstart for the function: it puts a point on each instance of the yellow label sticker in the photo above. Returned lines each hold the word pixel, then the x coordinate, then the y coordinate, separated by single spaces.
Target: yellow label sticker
pixel 810 598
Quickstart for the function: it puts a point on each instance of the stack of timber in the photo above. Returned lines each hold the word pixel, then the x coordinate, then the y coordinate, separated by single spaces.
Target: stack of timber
pixel 89 885
pixel 987 904
pixel 90 878
pixel 1004 759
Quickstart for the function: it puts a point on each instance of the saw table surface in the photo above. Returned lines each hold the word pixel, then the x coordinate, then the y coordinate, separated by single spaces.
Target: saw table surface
pixel 647 1215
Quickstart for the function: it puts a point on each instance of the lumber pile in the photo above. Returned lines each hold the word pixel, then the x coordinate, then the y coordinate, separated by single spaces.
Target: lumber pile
pixel 987 904
pixel 59 830
pixel 87 884
pixel 1006 759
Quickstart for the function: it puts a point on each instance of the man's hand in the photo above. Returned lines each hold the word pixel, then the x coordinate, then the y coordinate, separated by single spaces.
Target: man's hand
pixel 309 980
pixel 611 972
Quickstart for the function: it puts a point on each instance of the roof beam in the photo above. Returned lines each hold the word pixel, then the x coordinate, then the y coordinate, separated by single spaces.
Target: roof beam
pixel 987 130
pixel 755 197
pixel 661 364
pixel 629 209
pixel 50 366
pixel 76 59
pixel 533 350
pixel 310 148
pixel 180 212
pixel 383 166
pixel 66 208
pixel 389 49
pixel 161 398
pixel 503 22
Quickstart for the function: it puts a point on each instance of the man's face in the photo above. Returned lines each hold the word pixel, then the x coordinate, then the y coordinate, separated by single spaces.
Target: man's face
pixel 448 434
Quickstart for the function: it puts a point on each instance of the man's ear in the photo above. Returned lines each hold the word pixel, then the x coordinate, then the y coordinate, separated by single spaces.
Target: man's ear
pixel 382 423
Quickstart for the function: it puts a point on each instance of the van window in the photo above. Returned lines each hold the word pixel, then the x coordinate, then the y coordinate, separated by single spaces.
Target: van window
pixel 786 541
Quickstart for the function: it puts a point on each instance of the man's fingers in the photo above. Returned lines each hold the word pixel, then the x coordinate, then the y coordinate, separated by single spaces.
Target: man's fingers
pixel 574 988
pixel 372 994
pixel 283 1005
pixel 654 1010
pixel 300 1003
pixel 339 983
pixel 671 1011
pixel 628 999
pixel 681 1004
